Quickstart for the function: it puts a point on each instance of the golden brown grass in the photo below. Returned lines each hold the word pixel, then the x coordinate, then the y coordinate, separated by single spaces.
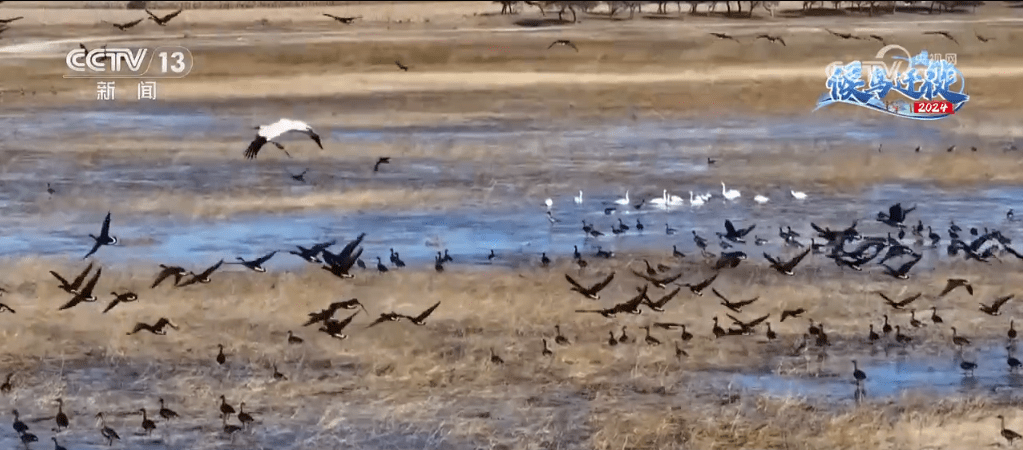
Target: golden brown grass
pixel 398 381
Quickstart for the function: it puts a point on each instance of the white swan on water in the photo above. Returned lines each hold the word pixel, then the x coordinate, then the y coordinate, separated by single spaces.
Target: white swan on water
pixel 549 203
pixel 761 199
pixel 623 201
pixel 729 194
pixel 674 200
pixel 799 195
pixel 579 199
pixel 696 201
pixel 661 201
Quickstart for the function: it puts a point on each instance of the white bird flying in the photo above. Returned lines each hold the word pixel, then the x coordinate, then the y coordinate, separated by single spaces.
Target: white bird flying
pixel 729 194
pixel 267 133
pixel 798 195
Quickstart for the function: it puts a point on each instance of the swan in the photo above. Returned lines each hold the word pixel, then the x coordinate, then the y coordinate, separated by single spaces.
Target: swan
pixel 623 201
pixel 761 199
pixel 799 195
pixel 674 200
pixel 729 194
pixel 579 199
pixel 696 201
pixel 660 201
pixel 549 203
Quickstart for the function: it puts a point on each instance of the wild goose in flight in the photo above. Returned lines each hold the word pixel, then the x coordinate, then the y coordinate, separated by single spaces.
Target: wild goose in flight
pixel 256 264
pixel 787 267
pixel 267 133
pixel 85 294
pixel 993 310
pixel 401 66
pixel 842 35
pixel 658 306
pixel 698 288
pixel 4 307
pixel 104 237
pixel 310 254
pixel 735 235
pixel 421 318
pixel 162 21
pixel 590 292
pixel 659 282
pixel 344 20
pixel 747 327
pixel 156 328
pixel 896 215
pixel 564 43
pixel 954 283
pixel 328 312
pixel 901 303
pixel 341 263
pixel 945 34
pixel 119 298
pixel 125 26
pixel 723 36
pixel 770 38
pixel 795 313
pixel 300 177
pixel 902 272
pixel 333 327
pixel 169 271
pixel 12 19
pixel 382 160
pixel 72 288
pixel 734 306
pixel 202 277
pixel 386 317
pixel 632 306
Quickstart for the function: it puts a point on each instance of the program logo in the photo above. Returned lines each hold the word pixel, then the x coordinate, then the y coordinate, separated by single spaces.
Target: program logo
pixel 935 87
pixel 124 62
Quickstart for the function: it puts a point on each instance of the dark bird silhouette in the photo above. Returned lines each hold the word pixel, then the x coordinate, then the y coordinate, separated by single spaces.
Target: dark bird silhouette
pixel 733 234
pixel 1012 330
pixel 993 310
pixel 943 33
pixel 858 374
pixel 221 357
pixel 344 20
pixel 147 425
pixel 842 35
pixel 902 272
pixel 311 254
pixel 334 328
pixel 19 426
pixel 659 282
pixel 50 190
pixel 7 386
pixel 61 418
pixel 127 25
pixel 658 305
pixel 167 414
pixel 28 438
pixel 795 313
pixel 734 306
pixel 72 288
pixel 108 433
pixel 724 36
pixel 12 19
pixel 243 416
pixel 104 237
pixel 157 328
pixel 162 21
pixel 300 177
pixel 203 277
pixel 1008 434
pixel 968 367
pixel 421 318
pixel 787 267
pixel 770 38
pixel 386 317
pixel 698 288
pixel 85 294
pixel 650 340
pixel 4 307
pixel 401 66
pixel 934 315
pixel 277 374
pixel 901 303
pixel 119 298
pixel 559 338
pixel 341 263
pixel 292 339
pixel 590 292
pixel 494 359
pixel 328 312
pixel 982 38
pixel 255 265
pixel 957 339
pixel 56 445
pixel 878 39
pixel 564 43
pixel 546 351
pixel 382 160
pixel 953 283
pixel 169 271
pixel 225 409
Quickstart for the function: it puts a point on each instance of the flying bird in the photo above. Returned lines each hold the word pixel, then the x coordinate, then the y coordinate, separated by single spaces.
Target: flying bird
pixel 202 277
pixel 12 19
pixel 382 160
pixel 786 267
pixel 72 288
pixel 401 66
pixel 993 310
pixel 166 272
pixel 256 264
pixel 156 328
pixel 901 303
pixel 121 298
pixel 162 21
pixel 563 42
pixel 104 237
pixel 877 38
pixel 267 133
pixel 299 177
pixel 127 25
pixel 943 33
pixel 772 39
pixel 85 294
pixel 982 38
pixel 590 292
pixel 344 20
pixel 842 35
pixel 724 36
pixel 954 283
pixel 421 318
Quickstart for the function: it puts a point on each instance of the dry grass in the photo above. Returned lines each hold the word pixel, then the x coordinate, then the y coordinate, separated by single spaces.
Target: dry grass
pixel 401 382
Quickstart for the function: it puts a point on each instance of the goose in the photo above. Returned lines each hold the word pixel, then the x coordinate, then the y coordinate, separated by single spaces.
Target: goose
pixel 61 418
pixel 729 194
pixel 579 198
pixel 380 266
pixel 19 426
pixel 310 254
pixel 244 417
pixel 761 199
pixel 590 292
pixel 494 359
pixel 72 288
pixel 650 340
pixel 119 298
pixel 381 160
pixel 611 341
pixel 696 201
pixel 167 414
pixel 344 20
pixel 156 328
pixel 203 277
pixel 278 375
pixel 255 265
pixel 1012 330
pixel 858 374
pixel 56 445
pixel 104 237
pixel 106 431
pixel 873 336
pixel 147 425
pixel 85 294
pixel 679 353
pixel 624 200
pixel 221 357
pixel 1008 434
pixel 225 409
pixel 559 338
pixel 544 260
pixel 166 272
pixel 162 21
pixel 267 133
pixel 959 340
pixel 798 195
pixel 292 339
pixel 6 387
pixel 126 25
pixel 546 351
pixel 421 318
